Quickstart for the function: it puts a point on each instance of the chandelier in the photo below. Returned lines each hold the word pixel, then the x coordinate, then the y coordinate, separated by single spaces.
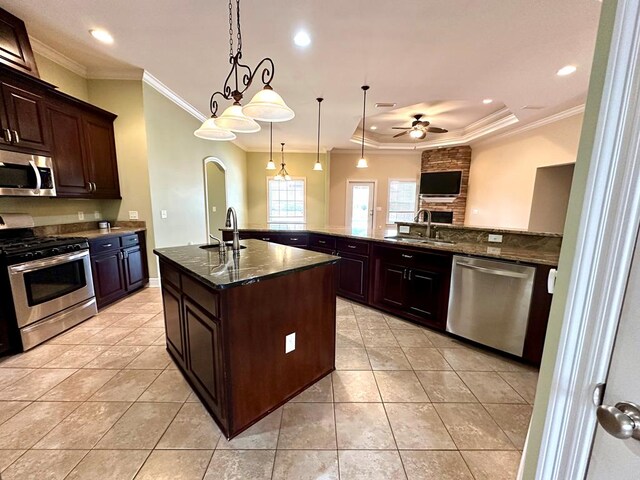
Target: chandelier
pixel 282 174
pixel 265 106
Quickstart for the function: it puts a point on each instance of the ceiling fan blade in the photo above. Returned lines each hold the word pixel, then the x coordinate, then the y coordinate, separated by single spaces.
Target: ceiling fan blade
pixel 401 128
pixel 424 123
pixel 400 134
pixel 437 130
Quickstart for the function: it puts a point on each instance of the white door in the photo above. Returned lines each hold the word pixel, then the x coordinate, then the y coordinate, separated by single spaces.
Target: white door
pixel 611 457
pixel 360 207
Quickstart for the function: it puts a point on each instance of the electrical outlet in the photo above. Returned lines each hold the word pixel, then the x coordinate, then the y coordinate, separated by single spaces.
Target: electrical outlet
pixel 495 238
pixel 214 209
pixel 80 215
pixel 404 229
pixel 96 215
pixel 163 214
pixel 493 250
pixel 133 215
pixel 290 343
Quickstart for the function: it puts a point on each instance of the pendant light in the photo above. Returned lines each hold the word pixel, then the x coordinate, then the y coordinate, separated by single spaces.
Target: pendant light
pixel 282 174
pixel 209 130
pixel 362 163
pixel 266 105
pixel 270 164
pixel 318 166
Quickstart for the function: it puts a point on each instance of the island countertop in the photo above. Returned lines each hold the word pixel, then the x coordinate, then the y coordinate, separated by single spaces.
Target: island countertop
pixel 258 261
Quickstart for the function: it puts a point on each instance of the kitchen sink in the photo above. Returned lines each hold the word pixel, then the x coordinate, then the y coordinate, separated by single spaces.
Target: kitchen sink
pixel 216 246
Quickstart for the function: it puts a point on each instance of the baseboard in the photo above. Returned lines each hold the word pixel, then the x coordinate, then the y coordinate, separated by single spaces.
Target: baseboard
pixel 154 282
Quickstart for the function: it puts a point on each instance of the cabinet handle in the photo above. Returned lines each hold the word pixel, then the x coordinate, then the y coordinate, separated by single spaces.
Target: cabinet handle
pixel 7 135
pixel 120 256
pixel 266 239
pixel 351 246
pixel 106 245
pixel 293 239
pixel 16 137
pixel 404 274
pixel 95 187
pixel 409 277
pixel 407 256
pixel 322 241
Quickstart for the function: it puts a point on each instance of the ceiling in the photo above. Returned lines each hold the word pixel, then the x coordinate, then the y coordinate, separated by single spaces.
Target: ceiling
pixel 419 54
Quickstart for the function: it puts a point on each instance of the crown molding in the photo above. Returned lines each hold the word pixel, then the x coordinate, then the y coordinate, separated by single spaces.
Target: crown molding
pixel 382 151
pixel 161 88
pixel 570 112
pixel 115 74
pixel 487 125
pixel 57 57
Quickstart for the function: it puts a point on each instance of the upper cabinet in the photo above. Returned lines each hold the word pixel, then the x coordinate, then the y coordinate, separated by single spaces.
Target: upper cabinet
pixel 15 49
pixel 22 117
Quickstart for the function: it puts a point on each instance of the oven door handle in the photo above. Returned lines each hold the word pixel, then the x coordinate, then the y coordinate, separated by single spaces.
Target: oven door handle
pixel 33 265
pixel 37 172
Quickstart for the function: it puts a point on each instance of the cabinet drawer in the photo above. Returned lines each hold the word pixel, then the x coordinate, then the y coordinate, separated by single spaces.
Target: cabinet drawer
pixel 169 275
pixel 129 240
pixel 266 237
pixel 99 245
pixel 206 299
pixel 322 241
pixel 352 246
pixel 294 239
pixel 413 258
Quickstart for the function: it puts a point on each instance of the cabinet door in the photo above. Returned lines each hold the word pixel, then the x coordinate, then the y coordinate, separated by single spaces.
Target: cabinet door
pixel 134 268
pixel 26 118
pixel 108 277
pixel 67 152
pixel 423 298
pixel 353 275
pixel 391 284
pixel 15 48
pixel 173 322
pixel 205 356
pixel 101 152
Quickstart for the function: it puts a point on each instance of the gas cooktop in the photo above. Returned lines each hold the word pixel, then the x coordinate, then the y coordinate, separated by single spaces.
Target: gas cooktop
pixel 25 247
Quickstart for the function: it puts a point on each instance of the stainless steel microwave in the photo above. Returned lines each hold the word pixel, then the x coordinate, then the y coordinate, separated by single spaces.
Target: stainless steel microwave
pixel 23 174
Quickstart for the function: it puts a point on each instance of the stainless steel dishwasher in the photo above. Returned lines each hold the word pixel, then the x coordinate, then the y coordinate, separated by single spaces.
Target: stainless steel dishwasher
pixel 489 302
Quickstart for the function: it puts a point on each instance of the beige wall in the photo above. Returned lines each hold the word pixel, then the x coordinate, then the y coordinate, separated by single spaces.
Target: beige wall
pixel 67 81
pixel 298 165
pixel 382 167
pixel 176 172
pixel 551 198
pixel 503 172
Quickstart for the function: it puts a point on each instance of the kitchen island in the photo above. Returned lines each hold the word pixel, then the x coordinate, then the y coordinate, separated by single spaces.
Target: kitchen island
pixel 248 331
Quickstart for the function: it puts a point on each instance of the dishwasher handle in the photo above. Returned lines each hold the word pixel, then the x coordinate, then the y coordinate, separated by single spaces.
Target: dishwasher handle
pixel 492 271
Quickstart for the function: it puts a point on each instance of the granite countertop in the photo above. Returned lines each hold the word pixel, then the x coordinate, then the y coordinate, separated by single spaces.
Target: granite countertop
pixel 259 261
pixel 99 233
pixel 518 254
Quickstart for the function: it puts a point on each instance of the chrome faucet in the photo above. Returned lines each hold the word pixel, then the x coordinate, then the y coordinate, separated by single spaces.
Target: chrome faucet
pixel 231 215
pixel 417 219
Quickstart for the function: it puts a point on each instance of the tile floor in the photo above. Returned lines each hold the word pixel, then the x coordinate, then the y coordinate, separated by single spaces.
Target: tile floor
pixel 104 401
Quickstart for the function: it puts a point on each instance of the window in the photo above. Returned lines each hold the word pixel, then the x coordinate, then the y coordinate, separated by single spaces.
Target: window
pixel 286 200
pixel 402 201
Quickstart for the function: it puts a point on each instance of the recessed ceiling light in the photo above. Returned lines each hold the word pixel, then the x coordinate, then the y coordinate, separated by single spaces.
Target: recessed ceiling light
pixel 101 35
pixel 487 101
pixel 385 105
pixel 302 39
pixel 566 70
pixel 373 127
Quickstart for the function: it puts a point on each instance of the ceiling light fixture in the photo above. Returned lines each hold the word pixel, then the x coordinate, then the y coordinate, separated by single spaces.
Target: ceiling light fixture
pixel 417 133
pixel 265 106
pixel 487 101
pixel 362 163
pixel 302 39
pixel 210 131
pixel 318 166
pixel 101 35
pixel 566 70
pixel 270 164
pixel 282 174
pixel 373 127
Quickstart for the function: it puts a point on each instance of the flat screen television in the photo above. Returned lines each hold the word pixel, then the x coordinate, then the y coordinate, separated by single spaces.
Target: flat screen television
pixel 441 184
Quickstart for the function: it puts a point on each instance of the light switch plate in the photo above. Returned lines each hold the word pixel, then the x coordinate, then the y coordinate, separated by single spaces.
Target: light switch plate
pixel 96 215
pixel 163 214
pixel 133 215
pixel 290 343
pixel 80 215
pixel 214 209
pixel 495 238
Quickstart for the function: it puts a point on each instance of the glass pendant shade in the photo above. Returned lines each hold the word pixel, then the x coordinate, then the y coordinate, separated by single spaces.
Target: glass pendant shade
pixel 362 163
pixel 209 130
pixel 268 106
pixel 417 134
pixel 233 119
pixel 271 165
pixel 317 167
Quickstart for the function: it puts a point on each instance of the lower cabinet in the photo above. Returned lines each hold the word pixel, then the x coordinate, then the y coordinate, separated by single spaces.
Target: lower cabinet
pixel 411 284
pixel 353 276
pixel 119 266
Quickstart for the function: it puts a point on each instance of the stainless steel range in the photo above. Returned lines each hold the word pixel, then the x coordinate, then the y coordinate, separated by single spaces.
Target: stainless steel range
pixel 47 285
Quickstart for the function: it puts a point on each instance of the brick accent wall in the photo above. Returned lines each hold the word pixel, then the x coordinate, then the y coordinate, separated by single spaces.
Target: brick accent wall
pixel 443 159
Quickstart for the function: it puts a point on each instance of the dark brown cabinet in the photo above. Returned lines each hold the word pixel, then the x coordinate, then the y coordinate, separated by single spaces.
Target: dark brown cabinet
pixel 25 120
pixel 118 267
pixel 172 307
pixel 101 155
pixel 15 49
pixel 353 276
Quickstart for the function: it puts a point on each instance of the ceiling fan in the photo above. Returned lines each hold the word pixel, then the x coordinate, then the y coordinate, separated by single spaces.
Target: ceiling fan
pixel 419 128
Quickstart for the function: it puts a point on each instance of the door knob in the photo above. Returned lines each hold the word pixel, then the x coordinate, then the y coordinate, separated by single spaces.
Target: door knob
pixel 621 421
